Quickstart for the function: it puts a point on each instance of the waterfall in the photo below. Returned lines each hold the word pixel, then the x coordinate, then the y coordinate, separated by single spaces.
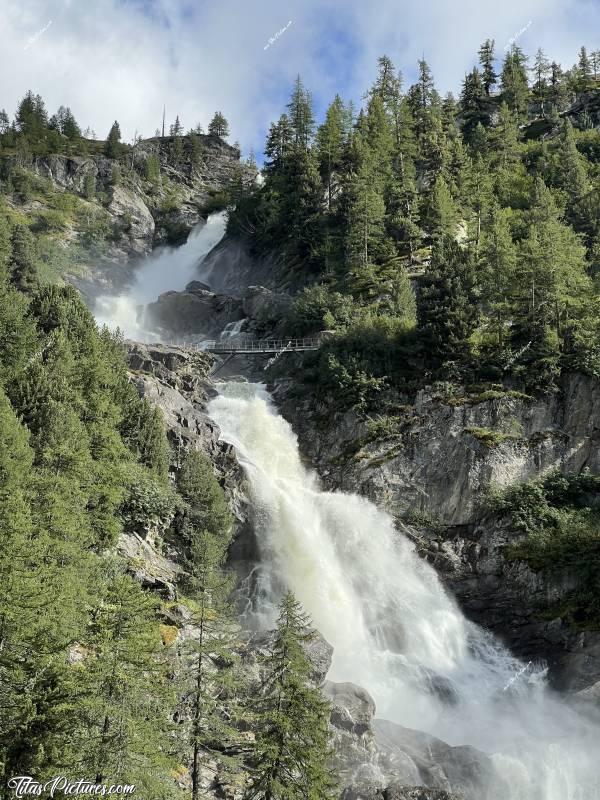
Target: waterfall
pixel 232 329
pixel 166 269
pixel 393 627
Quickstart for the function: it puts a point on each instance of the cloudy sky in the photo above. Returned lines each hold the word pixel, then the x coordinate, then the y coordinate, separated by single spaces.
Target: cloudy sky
pixel 122 59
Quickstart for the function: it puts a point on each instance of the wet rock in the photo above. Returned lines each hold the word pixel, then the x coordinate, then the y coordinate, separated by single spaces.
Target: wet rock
pixel 195 312
pixel 399 793
pixel 353 708
pixel 263 304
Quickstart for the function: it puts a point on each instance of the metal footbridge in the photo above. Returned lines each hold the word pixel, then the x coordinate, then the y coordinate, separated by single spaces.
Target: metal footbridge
pixel 266 346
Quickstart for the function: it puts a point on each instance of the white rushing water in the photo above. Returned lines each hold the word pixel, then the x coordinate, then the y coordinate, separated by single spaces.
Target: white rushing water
pixel 394 629
pixel 167 269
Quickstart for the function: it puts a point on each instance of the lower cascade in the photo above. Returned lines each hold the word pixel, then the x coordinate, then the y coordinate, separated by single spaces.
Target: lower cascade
pixel 393 627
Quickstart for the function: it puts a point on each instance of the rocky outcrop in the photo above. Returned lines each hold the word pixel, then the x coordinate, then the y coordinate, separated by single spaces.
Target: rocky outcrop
pixel 509 597
pixel 127 213
pixel 195 311
pixel 444 453
pixel 176 381
pixel 70 172
pixel 377 760
pixel 134 219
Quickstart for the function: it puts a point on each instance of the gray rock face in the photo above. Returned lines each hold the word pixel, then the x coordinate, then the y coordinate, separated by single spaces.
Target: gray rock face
pixel 68 172
pixel 353 708
pixel 149 567
pixel 259 302
pixel 195 311
pixel 259 644
pixel 507 596
pixel 135 219
pixel 231 269
pixel 440 465
pixel 377 759
pixel 176 381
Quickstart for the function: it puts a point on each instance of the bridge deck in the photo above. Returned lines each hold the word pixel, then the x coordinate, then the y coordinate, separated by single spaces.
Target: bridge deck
pixel 262 346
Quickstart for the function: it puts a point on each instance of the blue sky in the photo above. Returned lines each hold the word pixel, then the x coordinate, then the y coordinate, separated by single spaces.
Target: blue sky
pixel 122 59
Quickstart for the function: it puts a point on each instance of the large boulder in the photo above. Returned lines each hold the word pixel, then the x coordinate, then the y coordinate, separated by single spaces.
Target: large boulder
pixel 260 303
pixel 196 311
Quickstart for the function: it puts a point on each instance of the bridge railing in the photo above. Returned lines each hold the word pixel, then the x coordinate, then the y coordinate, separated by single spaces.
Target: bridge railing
pixel 261 345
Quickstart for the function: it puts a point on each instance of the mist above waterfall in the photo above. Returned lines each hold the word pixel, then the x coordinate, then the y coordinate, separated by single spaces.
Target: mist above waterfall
pixel 167 269
pixel 393 627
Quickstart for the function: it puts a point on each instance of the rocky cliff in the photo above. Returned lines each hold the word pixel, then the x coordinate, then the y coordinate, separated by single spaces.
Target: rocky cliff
pixel 107 213
pixel 431 467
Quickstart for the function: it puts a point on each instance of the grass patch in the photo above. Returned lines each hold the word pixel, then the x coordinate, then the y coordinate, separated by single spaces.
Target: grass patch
pixel 492 438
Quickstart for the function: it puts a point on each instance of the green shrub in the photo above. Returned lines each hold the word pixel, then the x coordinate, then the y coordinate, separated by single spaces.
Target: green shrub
pixel 317 308
pixel 51 221
pixel 150 502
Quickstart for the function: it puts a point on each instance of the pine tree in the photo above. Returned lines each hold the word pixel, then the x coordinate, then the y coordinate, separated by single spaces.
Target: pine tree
pixel 31 118
pixel 441 213
pixel 4 122
pixel 551 283
pixel 39 619
pixel 447 309
pixel 212 689
pixel 153 168
pixel 557 91
pixel 402 205
pixel 64 122
pixel 514 83
pixel 363 211
pixel 330 141
pixel 584 72
pixel 24 256
pixel 388 86
pixel 112 147
pixel 486 60
pixel 474 103
pixel 570 165
pixel 127 699
pixel 218 126
pixel 301 115
pixel 498 271
pixel 541 70
pixel 291 751
pixel 279 144
pixel 473 92
pixel 176 128
pixel 478 193
pixel 506 154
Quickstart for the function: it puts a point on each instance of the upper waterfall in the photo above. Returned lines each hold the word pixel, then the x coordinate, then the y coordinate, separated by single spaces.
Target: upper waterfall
pixel 167 269
pixel 393 627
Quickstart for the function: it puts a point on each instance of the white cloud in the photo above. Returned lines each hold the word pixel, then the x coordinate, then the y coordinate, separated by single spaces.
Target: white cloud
pixel 122 59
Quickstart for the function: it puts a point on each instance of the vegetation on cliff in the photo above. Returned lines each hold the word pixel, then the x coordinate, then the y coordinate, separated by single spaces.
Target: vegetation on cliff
pixel 560 515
